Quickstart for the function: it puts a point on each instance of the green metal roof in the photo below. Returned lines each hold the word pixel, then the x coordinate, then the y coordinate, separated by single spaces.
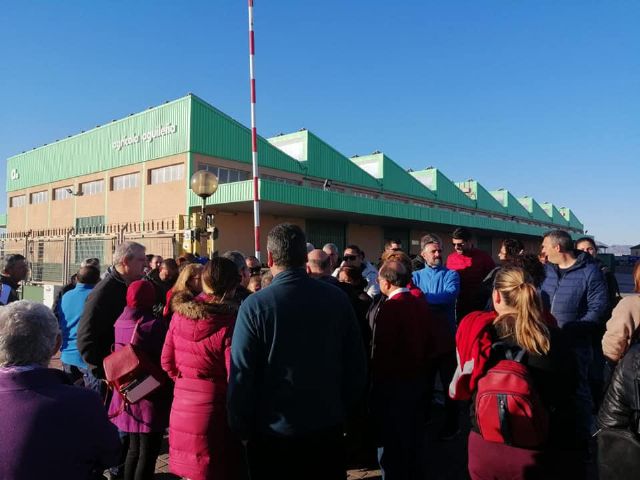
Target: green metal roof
pixel 394 178
pixel 554 214
pixel 484 200
pixel 568 214
pixel 154 133
pixel 322 160
pixel 511 203
pixel 217 134
pixel 445 189
pixel 534 209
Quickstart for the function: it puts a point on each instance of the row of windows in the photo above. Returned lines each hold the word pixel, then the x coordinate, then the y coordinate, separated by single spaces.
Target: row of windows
pixel 226 175
pixel 171 173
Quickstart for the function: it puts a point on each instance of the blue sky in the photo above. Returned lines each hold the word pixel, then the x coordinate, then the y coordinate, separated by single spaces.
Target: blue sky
pixel 538 96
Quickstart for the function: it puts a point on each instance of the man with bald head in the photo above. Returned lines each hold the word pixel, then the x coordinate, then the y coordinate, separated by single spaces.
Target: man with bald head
pixel 399 356
pixel 319 266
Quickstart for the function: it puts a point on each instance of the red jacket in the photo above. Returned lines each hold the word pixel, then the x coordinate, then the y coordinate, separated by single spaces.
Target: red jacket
pixel 472 267
pixel 196 355
pixel 473 347
pixel 401 339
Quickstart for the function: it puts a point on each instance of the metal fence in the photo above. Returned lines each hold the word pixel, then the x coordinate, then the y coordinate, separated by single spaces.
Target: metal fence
pixel 54 255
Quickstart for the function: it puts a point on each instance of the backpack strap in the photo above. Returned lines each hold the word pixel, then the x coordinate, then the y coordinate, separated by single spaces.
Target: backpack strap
pixel 509 351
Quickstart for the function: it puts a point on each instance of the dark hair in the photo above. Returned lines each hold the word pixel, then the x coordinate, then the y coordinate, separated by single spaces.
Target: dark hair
pixel 356 248
pixel 9 261
pixel 237 258
pixel 89 275
pixel 395 273
pixel 530 263
pixel 562 238
pixel 149 257
pixel 170 264
pixel 392 240
pixel 220 275
pixel 288 246
pixel 589 240
pixel 636 276
pixel 513 247
pixel 461 233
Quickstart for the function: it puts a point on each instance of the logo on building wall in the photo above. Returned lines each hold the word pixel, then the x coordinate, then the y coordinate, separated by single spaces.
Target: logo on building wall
pixel 147 137
pixel 15 175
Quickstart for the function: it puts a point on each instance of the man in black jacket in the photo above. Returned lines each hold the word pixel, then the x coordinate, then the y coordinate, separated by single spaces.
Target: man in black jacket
pixel 105 304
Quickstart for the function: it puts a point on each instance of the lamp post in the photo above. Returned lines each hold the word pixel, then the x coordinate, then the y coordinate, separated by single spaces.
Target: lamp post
pixel 204 184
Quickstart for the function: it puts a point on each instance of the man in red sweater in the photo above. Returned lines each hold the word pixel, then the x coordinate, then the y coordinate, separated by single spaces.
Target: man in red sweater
pixel 473 266
pixel 399 355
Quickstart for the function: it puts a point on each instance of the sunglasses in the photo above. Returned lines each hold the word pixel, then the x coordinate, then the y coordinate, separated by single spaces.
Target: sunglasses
pixel 349 258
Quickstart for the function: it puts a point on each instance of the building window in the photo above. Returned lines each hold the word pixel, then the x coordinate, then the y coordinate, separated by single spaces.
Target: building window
pixel 19 201
pixel 172 173
pixel 39 197
pixel 125 182
pixel 92 188
pixel 226 175
pixel 62 193
pixel 358 193
pixel 288 181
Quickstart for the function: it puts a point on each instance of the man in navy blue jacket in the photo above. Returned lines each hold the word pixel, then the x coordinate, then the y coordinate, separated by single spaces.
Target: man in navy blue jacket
pixel 576 293
pixel 297 367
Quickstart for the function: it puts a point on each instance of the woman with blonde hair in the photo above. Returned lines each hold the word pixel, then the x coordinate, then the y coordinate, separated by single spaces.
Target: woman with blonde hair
pixel 189 280
pixel 516 330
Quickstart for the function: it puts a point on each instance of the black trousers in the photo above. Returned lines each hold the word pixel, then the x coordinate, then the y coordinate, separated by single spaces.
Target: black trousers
pixel 319 456
pixel 142 454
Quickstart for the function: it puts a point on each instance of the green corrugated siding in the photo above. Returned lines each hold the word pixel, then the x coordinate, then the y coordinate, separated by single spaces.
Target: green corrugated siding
pixel 510 203
pixel 324 161
pixel 315 198
pixel 568 214
pixel 553 213
pixel 484 199
pixel 447 191
pixel 534 209
pixel 93 151
pixel 217 134
pixel 394 178
pixel 227 193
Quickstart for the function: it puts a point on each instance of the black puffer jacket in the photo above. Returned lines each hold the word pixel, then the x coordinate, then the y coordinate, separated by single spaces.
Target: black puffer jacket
pixel 104 305
pixel 621 406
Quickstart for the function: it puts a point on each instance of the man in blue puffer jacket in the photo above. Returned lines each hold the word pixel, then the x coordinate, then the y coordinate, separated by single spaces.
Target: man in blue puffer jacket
pixel 576 293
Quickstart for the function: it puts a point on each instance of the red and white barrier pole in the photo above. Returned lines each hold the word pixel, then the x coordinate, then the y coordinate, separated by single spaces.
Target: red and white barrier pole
pixel 254 136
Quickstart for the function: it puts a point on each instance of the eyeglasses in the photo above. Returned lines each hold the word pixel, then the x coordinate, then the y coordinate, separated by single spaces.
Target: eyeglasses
pixel 349 258
pixel 461 244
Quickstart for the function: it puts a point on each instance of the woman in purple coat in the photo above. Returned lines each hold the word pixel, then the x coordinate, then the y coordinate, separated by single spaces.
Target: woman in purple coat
pixel 147 419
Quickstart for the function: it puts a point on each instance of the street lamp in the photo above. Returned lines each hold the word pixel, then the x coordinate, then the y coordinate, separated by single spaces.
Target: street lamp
pixel 204 184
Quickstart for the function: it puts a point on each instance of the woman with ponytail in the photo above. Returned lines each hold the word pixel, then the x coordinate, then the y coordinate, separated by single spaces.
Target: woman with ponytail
pixel 517 329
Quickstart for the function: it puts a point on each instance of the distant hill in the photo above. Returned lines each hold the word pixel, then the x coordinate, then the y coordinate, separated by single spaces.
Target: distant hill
pixel 619 250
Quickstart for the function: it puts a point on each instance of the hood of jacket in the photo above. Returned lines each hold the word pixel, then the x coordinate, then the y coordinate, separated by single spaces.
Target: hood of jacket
pixel 113 274
pixel 202 314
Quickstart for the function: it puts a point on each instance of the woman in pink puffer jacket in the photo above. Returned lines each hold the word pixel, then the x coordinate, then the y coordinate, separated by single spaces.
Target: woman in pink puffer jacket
pixel 196 356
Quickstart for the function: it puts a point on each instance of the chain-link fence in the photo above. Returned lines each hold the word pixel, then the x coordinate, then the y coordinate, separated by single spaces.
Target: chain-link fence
pixel 54 255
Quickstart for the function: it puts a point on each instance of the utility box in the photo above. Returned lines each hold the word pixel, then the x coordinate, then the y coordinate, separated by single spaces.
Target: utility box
pixel 49 294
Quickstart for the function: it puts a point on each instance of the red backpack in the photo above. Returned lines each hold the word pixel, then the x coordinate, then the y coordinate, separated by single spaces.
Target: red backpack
pixel 508 407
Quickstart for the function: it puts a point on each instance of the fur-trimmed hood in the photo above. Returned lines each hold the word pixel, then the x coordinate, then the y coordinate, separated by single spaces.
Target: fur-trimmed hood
pixel 200 316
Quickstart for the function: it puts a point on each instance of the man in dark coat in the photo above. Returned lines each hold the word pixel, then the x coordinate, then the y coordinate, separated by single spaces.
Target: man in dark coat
pixel 104 305
pixel 576 293
pixel 297 367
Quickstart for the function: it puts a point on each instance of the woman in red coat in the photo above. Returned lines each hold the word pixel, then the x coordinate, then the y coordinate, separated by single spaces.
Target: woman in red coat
pixel 196 355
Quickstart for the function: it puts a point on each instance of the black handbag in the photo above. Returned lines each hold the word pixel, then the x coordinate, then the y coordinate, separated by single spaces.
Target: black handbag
pixel 618 454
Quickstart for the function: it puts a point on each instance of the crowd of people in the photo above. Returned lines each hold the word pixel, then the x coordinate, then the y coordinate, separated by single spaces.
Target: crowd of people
pixel 321 359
